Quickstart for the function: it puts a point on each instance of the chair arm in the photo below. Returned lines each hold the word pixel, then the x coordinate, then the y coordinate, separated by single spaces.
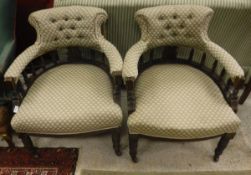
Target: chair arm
pixel 130 71
pixel 113 56
pixel 130 67
pixel 14 71
pixel 228 62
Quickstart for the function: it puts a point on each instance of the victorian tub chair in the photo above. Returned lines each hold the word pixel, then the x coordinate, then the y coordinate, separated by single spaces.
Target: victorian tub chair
pixel 55 95
pixel 176 97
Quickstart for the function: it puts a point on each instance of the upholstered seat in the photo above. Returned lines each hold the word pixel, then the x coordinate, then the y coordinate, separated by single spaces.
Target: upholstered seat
pixel 180 102
pixel 68 99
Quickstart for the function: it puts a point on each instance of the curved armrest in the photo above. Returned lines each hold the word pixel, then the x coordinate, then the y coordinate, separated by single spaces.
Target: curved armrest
pixel 16 68
pixel 229 63
pixel 130 67
pixel 113 56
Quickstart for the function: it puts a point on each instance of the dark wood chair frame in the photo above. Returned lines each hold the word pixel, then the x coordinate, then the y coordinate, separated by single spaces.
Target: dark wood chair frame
pixel 15 92
pixel 246 92
pixel 228 88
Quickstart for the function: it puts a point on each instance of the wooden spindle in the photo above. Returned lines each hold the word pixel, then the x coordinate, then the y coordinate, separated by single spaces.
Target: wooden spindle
pixel 93 56
pixel 169 54
pixel 203 59
pixel 228 85
pixel 43 64
pixel 190 58
pixel 215 64
pixel 151 57
pixel 223 73
pixel 141 64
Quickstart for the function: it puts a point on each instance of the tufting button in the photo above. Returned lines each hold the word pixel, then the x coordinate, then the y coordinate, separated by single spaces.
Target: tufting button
pixel 190 16
pixel 67 37
pixel 174 34
pixel 60 28
pixel 161 36
pixel 80 36
pixel 53 20
pixel 161 17
pixel 66 18
pixel 175 16
pixel 73 27
pixel 56 38
pixel 168 27
pixel 78 18
pixel 182 25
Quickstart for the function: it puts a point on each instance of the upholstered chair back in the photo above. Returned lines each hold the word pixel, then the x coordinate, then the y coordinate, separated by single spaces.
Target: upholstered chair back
pixel 74 26
pixel 175 25
pixel 77 26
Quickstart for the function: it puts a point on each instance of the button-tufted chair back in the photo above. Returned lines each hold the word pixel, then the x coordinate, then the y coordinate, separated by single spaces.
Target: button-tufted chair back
pixel 175 25
pixel 77 26
pixel 74 26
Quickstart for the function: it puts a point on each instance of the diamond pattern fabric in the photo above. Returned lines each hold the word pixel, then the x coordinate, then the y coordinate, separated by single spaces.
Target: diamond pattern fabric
pixel 176 25
pixel 68 99
pixel 180 102
pixel 80 26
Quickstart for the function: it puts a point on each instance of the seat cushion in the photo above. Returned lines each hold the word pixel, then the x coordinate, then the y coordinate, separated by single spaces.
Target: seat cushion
pixel 68 99
pixel 180 102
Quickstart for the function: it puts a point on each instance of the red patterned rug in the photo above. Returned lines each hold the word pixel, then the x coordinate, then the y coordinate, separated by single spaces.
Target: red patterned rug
pixel 52 161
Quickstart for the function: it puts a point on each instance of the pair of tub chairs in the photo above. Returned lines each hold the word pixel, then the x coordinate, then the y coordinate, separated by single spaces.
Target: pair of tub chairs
pixel 168 96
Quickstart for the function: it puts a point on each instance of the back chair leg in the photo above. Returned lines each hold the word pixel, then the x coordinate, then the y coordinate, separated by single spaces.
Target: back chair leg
pixel 245 93
pixel 116 141
pixel 222 145
pixel 28 144
pixel 133 144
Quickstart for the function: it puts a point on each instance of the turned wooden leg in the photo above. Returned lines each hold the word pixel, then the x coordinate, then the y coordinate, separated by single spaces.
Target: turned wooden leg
pixel 116 141
pixel 245 93
pixel 222 145
pixel 133 144
pixel 28 144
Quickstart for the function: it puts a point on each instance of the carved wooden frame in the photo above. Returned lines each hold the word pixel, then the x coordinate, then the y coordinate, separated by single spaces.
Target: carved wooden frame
pixel 229 90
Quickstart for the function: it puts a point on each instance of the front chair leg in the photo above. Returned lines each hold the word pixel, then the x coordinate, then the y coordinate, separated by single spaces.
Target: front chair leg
pixel 116 141
pixel 28 144
pixel 222 145
pixel 133 144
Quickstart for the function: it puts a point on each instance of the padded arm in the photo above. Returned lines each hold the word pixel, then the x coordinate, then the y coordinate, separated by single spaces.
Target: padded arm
pixel 21 62
pixel 113 56
pixel 130 67
pixel 228 62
